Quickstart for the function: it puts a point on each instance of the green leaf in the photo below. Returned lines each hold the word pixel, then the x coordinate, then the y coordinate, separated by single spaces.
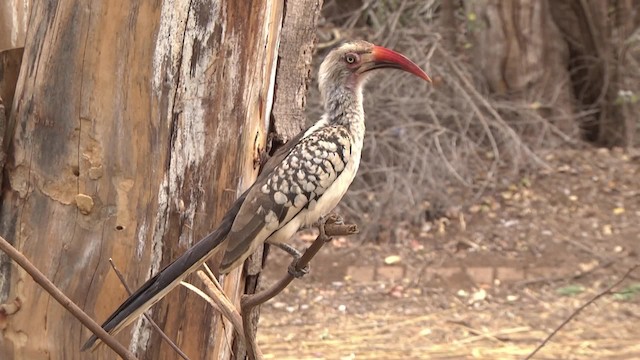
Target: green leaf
pixel 570 290
pixel 627 293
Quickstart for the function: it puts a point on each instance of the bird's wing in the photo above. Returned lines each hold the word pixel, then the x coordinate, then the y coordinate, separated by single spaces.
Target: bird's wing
pixel 294 183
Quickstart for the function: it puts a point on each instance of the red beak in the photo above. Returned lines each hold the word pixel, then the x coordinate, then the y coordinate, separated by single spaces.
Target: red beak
pixel 385 58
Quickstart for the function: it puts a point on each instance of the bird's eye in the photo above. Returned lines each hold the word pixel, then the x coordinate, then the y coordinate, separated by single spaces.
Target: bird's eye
pixel 351 58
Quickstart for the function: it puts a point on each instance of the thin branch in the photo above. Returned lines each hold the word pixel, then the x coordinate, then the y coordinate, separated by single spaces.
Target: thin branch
pixel 211 276
pixel 331 227
pixel 564 277
pixel 153 323
pixel 225 307
pixel 578 310
pixel 200 293
pixel 63 300
pixel 222 301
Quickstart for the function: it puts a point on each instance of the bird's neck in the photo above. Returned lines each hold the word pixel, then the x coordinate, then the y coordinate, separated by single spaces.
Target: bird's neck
pixel 343 106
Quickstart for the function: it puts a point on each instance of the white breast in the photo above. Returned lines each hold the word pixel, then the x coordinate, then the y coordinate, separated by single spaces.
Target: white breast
pixel 332 196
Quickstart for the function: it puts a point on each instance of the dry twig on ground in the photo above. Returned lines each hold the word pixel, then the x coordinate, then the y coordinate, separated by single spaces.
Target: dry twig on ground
pixel 582 307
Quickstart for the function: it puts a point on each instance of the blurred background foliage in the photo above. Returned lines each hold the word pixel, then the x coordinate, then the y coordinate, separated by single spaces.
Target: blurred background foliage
pixel 512 80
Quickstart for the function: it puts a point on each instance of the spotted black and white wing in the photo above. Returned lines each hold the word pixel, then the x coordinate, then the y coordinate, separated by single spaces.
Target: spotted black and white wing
pixel 293 186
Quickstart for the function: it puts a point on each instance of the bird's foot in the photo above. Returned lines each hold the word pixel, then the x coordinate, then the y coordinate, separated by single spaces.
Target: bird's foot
pixel 331 219
pixel 295 271
pixel 334 218
pixel 295 253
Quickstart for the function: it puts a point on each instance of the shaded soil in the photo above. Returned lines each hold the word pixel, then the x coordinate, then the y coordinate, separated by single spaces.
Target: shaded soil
pixel 488 282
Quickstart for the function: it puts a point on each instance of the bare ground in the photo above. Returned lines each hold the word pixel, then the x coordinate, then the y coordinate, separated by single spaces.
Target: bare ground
pixel 490 281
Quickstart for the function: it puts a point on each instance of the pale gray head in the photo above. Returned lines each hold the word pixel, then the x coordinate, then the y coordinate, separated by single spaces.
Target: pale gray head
pixel 348 66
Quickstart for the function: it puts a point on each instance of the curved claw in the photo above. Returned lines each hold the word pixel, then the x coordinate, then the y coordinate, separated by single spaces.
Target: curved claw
pixel 296 272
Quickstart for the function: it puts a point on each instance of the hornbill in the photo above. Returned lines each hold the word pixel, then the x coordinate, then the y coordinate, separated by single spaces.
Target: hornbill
pixel 302 182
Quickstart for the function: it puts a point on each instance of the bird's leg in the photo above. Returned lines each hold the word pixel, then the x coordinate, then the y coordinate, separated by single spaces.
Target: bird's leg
pixel 293 267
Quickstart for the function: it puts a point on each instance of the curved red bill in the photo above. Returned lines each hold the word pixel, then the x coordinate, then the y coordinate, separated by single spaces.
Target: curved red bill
pixel 388 58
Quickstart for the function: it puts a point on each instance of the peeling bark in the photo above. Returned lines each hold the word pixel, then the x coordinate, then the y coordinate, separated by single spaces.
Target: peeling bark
pixel 138 124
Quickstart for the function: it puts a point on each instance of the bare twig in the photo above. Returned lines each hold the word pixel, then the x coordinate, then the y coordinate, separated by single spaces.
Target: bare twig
pixel 326 232
pixel 63 300
pixel 153 323
pixel 225 306
pixel 331 227
pixel 565 277
pixel 582 307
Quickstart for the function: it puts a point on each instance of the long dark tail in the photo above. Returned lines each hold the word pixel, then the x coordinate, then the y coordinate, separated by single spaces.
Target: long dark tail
pixel 164 281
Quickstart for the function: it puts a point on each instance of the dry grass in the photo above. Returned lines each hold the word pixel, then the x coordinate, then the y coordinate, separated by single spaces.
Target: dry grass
pixel 494 330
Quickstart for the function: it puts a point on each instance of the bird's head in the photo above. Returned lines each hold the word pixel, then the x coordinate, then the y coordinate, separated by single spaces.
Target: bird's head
pixel 351 64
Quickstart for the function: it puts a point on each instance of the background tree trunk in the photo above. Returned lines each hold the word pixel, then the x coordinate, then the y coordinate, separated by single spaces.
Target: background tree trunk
pixel 138 123
pixel 522 56
pixel 603 70
pixel 570 59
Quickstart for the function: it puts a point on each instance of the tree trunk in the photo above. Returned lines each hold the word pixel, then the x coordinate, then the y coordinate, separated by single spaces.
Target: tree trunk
pixel 14 17
pixel 138 123
pixel 573 60
pixel 618 122
pixel 521 54
pixel 294 66
pixel 293 71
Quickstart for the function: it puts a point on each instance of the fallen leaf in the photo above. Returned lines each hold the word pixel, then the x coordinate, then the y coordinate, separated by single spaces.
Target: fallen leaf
pixel 416 245
pixel 392 259
pixel 397 291
pixel 479 295
pixel 584 267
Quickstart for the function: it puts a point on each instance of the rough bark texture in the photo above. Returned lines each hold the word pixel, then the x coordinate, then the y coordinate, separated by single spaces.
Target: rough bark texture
pixel 295 52
pixel 10 61
pixel 294 66
pixel 521 54
pixel 137 125
pixel 14 17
